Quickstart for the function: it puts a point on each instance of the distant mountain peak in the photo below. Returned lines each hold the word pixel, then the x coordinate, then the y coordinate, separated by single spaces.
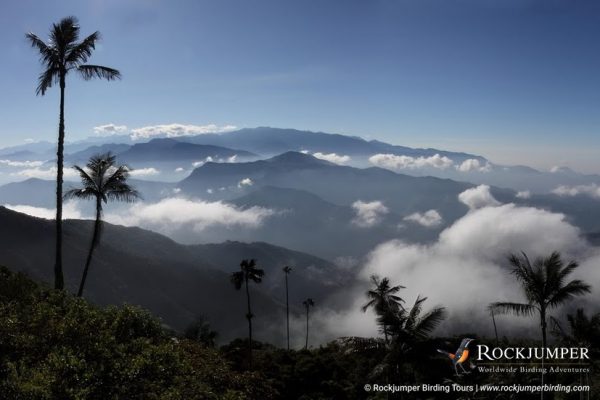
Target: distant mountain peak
pixel 295 157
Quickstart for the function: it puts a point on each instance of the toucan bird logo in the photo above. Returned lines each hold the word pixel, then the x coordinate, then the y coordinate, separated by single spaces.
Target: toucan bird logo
pixel 460 357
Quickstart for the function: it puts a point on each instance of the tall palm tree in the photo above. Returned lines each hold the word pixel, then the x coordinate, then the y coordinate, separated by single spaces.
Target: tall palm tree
pixel 544 286
pixel 308 303
pixel 62 54
pixel 382 298
pixel 102 181
pixel 286 271
pixel 248 272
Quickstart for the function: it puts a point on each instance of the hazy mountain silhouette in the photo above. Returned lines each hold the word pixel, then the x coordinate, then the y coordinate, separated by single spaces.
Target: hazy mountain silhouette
pixel 176 150
pixel 337 184
pixel 174 281
pixel 271 141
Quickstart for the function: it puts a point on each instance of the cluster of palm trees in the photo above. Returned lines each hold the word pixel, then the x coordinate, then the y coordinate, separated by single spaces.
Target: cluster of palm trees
pixel 249 272
pixel 404 330
pixel 545 286
pixel 62 54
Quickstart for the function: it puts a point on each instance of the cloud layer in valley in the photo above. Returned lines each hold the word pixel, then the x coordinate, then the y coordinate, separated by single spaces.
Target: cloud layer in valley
pixel 109 129
pixel 333 158
pixel 591 190
pixel 428 219
pixel 177 130
pixel 171 214
pixel 395 163
pixel 368 214
pixel 467 268
pixel 478 197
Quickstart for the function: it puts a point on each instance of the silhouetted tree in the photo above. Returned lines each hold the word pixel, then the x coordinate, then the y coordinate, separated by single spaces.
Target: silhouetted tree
pixel 407 329
pixel 201 332
pixel 102 181
pixel 61 55
pixel 382 298
pixel 286 271
pixel 544 286
pixel 248 272
pixel 308 303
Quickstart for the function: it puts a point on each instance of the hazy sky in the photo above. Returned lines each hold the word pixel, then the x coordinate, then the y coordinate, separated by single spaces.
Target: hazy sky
pixel 516 81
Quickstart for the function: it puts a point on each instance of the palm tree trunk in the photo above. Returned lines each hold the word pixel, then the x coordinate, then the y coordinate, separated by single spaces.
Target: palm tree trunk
pixel 495 328
pixel 306 344
pixel 544 343
pixel 59 282
pixel 287 311
pixel 95 241
pixel 249 317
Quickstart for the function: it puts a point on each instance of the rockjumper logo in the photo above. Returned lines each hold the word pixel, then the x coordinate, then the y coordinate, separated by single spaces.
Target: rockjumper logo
pixel 531 353
pixel 460 357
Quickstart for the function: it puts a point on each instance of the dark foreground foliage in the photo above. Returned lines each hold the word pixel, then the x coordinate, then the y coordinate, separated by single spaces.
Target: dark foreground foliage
pixel 56 346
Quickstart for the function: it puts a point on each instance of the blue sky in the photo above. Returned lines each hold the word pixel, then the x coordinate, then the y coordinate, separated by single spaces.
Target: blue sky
pixel 517 81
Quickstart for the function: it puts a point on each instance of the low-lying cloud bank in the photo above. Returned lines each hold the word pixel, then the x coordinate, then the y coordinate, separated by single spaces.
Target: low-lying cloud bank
pixel 173 213
pixel 165 216
pixel 177 130
pixel 591 190
pixel 466 268
pixel 70 211
pixel 428 219
pixel 397 163
pixel 368 214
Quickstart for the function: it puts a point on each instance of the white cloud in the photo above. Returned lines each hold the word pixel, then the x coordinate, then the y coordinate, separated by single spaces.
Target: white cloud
pixel 177 130
pixel 179 169
pixel 109 129
pixel 474 165
pixel 171 214
pixel 524 194
pixel 333 158
pixel 208 159
pixel 49 173
pixel 395 163
pixel 144 172
pixel 470 255
pixel 368 214
pixel 592 190
pixel 427 219
pixel 19 164
pixel 245 182
pixel 70 211
pixel 478 197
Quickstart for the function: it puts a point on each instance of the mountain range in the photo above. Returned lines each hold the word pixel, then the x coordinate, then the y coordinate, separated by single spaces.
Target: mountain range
pixel 171 158
pixel 176 282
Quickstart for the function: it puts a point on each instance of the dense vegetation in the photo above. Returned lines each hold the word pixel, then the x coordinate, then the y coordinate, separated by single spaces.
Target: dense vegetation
pixel 54 345
pixel 57 346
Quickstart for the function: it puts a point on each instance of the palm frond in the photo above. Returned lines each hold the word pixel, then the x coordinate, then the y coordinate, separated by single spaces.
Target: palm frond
pixel 64 35
pixel 89 72
pixel 46 79
pixel 86 179
pixel 574 288
pixel 513 308
pixel 83 50
pixel 428 322
pixel 48 53
pixel 82 194
pixel 237 278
